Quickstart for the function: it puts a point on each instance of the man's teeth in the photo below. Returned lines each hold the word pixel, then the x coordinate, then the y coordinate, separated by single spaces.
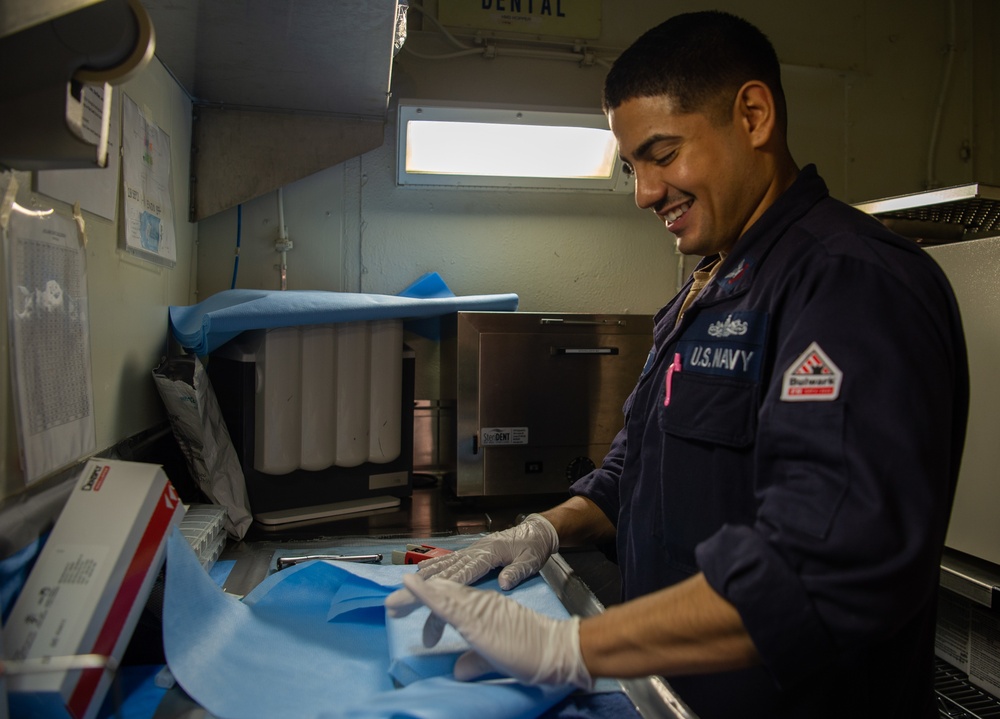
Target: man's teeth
pixel 675 213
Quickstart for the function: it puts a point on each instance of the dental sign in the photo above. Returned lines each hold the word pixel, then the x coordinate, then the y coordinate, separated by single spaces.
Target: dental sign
pixel 579 19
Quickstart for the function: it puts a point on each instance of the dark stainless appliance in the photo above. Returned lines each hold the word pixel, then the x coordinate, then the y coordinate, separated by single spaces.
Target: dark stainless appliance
pixel 960 228
pixel 538 396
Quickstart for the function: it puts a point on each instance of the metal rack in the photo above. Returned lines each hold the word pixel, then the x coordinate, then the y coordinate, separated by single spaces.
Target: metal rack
pixel 959 699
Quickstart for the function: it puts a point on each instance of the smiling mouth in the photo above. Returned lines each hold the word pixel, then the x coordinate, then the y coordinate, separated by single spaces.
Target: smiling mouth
pixel 676 213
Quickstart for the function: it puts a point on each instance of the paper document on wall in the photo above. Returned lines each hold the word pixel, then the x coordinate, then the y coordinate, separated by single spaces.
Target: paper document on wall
pixel 149 213
pixel 50 341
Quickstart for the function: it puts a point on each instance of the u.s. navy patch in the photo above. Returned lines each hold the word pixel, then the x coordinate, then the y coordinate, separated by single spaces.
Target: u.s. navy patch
pixel 729 344
pixel 812 377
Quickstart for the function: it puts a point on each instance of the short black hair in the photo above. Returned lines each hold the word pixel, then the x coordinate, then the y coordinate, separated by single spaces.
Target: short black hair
pixel 696 59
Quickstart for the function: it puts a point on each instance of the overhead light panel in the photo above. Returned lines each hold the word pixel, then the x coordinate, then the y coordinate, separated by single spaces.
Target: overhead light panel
pixel 501 146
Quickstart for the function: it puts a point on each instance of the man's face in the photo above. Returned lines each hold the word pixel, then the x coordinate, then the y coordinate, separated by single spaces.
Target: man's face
pixel 694 170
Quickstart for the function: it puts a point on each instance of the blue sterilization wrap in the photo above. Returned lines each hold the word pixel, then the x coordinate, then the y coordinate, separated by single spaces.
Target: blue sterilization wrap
pixel 204 327
pixel 312 641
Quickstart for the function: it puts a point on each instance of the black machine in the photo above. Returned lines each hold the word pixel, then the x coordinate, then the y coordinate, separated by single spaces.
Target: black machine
pixel 313 437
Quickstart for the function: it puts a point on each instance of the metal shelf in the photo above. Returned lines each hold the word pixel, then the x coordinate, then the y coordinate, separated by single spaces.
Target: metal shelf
pixel 970 577
pixel 652 696
pixel 281 89
pixel 950 214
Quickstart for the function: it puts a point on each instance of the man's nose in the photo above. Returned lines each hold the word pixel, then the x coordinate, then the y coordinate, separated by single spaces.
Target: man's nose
pixel 648 192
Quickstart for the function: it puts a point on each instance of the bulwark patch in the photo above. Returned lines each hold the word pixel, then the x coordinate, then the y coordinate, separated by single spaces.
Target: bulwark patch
pixel 812 377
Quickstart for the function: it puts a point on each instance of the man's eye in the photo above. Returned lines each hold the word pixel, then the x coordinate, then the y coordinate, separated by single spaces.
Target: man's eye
pixel 666 159
pixel 628 169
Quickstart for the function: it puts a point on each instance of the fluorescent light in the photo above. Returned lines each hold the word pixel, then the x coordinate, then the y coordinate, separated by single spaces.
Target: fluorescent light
pixel 487 148
pixel 497 146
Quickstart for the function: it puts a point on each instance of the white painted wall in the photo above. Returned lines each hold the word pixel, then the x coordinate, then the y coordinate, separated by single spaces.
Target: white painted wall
pixel 863 80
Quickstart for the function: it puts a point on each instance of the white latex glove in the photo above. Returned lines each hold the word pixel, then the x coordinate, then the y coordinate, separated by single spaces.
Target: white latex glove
pixel 505 636
pixel 520 550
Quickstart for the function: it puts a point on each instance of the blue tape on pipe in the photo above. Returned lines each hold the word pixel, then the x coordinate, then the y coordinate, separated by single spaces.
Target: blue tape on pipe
pixel 204 327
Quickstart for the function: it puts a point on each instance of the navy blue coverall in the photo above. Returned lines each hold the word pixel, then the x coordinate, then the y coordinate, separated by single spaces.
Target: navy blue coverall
pixel 805 460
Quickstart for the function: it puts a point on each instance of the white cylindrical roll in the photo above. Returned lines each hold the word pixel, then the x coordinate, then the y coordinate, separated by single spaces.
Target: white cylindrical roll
pixel 386 390
pixel 319 399
pixel 352 393
pixel 278 405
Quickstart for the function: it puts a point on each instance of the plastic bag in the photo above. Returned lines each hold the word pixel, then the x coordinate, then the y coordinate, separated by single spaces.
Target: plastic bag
pixel 200 430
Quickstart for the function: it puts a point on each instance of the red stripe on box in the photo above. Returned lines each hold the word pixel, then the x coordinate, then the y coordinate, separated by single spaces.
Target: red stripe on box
pixel 100 480
pixel 137 570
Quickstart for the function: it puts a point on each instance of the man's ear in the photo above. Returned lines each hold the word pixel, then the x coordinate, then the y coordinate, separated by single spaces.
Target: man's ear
pixel 755 109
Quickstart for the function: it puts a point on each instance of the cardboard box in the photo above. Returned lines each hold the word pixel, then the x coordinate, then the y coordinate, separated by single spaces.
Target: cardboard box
pixel 89 585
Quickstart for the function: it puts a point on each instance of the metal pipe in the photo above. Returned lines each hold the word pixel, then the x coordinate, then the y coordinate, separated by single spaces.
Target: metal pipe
pixel 283 244
pixel 942 97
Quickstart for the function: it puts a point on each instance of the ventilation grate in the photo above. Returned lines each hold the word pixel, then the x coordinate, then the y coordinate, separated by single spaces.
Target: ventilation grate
pixel 953 213
pixel 977 216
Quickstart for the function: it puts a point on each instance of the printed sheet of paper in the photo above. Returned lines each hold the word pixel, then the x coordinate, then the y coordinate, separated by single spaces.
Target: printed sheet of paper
pixel 149 214
pixel 50 341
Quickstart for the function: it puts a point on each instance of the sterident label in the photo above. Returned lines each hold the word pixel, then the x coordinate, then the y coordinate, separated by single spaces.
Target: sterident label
pixel 499 436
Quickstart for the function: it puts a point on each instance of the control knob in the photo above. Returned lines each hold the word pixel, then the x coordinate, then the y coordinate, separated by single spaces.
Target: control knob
pixel 579 467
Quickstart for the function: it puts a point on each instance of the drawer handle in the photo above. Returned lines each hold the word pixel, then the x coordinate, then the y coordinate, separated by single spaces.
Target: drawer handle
pixel 598 323
pixel 584 350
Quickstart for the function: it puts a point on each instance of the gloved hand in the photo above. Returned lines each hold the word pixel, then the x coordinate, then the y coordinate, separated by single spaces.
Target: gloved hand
pixel 521 550
pixel 505 636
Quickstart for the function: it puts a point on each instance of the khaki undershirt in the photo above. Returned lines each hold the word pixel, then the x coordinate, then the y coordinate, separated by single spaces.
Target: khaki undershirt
pixel 701 278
